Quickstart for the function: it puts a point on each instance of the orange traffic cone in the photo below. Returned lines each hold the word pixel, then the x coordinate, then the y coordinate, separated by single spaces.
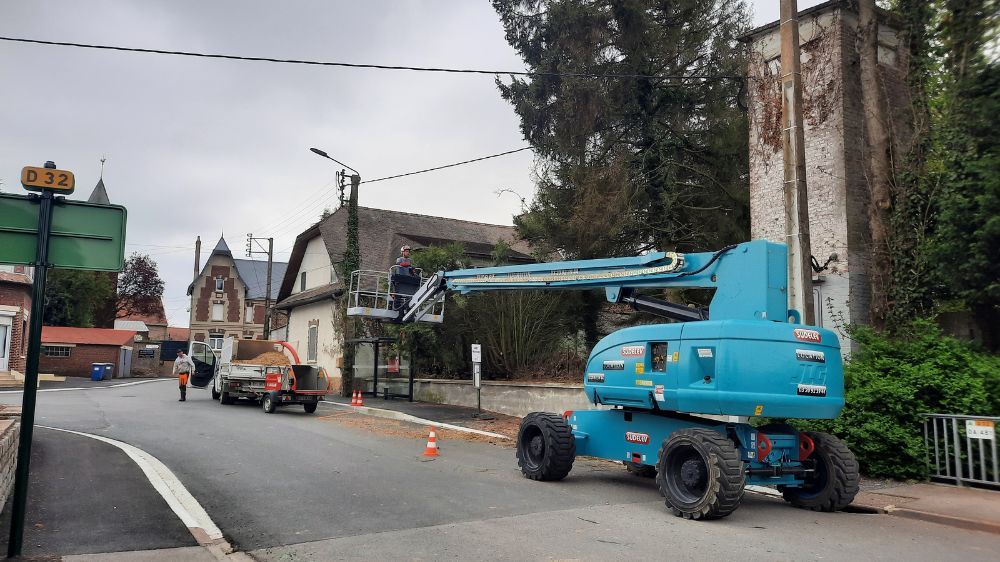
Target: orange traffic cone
pixel 354 398
pixel 432 444
pixel 361 398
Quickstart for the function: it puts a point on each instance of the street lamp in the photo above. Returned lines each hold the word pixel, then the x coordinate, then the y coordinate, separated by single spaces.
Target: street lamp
pixel 328 157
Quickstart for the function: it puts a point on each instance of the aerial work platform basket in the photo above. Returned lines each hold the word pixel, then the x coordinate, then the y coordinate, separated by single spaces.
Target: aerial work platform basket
pixel 386 295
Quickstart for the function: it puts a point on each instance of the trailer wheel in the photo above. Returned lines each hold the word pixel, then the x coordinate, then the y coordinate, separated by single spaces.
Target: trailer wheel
pixel 700 474
pixel 643 470
pixel 225 399
pixel 310 407
pixel 268 404
pixel 545 447
pixel 835 481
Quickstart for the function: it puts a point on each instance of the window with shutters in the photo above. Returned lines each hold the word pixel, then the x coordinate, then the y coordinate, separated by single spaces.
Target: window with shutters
pixel 217 311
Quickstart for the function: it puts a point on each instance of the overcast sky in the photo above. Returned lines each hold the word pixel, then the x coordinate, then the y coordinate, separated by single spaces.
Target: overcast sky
pixel 205 147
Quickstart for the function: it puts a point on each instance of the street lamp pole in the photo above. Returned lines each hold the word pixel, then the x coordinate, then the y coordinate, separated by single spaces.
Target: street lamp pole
pixel 351 262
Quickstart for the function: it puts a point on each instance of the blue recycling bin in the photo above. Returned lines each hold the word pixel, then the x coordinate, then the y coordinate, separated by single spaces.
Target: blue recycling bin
pixel 100 371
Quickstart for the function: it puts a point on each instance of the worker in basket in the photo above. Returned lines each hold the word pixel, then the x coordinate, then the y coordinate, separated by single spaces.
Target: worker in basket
pixel 183 367
pixel 404 279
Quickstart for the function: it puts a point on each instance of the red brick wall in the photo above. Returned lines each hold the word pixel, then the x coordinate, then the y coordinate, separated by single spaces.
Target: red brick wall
pixel 14 294
pixel 79 360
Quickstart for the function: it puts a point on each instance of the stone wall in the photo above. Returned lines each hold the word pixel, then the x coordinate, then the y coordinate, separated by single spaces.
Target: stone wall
pixel 515 399
pixel 10 432
pixel 834 148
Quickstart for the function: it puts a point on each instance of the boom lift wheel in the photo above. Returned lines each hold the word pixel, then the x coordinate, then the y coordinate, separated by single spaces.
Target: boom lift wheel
pixel 835 481
pixel 545 446
pixel 700 474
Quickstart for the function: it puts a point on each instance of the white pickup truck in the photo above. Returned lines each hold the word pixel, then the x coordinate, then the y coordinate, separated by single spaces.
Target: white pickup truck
pixel 232 377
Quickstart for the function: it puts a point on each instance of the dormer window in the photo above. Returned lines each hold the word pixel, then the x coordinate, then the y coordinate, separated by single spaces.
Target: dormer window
pixel 220 284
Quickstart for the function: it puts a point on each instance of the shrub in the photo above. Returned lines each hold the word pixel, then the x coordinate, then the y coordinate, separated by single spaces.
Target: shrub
pixel 894 379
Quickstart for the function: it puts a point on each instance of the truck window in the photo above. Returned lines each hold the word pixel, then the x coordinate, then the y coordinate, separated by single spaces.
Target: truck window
pixel 659 356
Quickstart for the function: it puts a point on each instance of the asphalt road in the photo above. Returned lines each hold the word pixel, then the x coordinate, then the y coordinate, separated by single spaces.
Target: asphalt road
pixel 293 486
pixel 89 497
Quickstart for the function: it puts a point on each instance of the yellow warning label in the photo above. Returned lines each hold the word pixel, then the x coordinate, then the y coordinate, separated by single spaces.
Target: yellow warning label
pixel 758 410
pixel 640 368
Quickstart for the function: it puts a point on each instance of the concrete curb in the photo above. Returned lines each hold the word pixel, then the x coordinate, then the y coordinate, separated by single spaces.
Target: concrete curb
pixel 950 520
pixel 400 416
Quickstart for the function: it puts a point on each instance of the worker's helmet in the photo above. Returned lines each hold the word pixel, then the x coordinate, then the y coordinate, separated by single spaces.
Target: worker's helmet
pixel 404 248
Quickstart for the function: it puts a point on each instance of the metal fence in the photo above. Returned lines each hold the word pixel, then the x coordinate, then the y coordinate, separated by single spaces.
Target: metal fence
pixel 962 449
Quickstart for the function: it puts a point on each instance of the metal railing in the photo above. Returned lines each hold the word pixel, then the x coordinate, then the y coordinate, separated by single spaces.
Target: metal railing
pixel 962 449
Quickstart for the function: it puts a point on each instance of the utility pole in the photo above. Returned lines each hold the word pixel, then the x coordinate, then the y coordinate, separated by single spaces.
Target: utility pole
pixel 800 295
pixel 259 243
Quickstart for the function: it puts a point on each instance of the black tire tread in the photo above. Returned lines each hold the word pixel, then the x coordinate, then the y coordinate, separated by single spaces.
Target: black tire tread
pixel 730 478
pixel 846 476
pixel 558 439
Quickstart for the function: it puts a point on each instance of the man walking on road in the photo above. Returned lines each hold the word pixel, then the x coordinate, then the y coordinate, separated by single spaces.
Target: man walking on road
pixel 183 367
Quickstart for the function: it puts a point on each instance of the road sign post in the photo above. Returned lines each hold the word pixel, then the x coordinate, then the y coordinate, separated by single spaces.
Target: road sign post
pixel 477 380
pixel 20 501
pixel 42 231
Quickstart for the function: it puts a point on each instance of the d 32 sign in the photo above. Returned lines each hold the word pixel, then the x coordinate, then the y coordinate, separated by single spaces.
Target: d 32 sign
pixel 38 179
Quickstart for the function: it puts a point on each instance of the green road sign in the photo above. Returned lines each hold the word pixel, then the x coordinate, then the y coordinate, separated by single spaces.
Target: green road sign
pixel 84 235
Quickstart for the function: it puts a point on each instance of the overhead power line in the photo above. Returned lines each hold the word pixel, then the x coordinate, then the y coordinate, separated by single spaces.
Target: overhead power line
pixel 373 66
pixel 448 165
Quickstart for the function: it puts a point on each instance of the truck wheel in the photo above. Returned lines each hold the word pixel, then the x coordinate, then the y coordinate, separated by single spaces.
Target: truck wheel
pixel 310 407
pixel 225 399
pixel 700 474
pixel 643 470
pixel 545 447
pixel 834 483
pixel 215 393
pixel 268 404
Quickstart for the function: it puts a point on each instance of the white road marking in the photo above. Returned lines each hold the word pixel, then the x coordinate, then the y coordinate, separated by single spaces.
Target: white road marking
pixel 163 480
pixel 87 388
pixel 394 415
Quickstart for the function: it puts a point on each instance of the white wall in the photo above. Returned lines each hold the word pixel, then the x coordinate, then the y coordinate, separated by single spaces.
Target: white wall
pixel 329 342
pixel 315 264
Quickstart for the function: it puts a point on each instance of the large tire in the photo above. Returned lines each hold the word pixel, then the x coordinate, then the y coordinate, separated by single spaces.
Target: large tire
pixel 545 447
pixel 700 474
pixel 643 470
pixel 268 404
pixel 310 407
pixel 834 483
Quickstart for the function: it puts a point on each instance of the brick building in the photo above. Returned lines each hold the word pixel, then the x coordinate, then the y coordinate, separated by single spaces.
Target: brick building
pixel 834 144
pixel 228 296
pixel 15 310
pixel 71 351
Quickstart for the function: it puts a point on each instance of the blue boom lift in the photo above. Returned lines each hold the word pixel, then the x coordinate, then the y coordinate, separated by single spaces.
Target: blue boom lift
pixel 746 355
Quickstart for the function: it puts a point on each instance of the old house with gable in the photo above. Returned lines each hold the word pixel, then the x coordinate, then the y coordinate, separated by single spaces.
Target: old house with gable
pixel 314 281
pixel 229 296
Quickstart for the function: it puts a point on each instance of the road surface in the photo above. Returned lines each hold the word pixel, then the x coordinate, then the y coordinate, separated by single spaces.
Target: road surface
pixel 293 486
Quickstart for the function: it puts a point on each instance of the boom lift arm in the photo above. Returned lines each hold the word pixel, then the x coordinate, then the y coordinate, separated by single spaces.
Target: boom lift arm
pixel 748 278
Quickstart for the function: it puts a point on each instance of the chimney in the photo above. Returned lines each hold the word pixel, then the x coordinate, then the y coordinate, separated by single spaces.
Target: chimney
pixel 197 257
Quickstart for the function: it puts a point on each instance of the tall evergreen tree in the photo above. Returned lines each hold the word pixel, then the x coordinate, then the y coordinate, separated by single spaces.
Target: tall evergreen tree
pixel 629 164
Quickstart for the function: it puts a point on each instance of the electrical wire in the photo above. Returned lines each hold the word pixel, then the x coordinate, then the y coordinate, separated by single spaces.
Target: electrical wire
pixel 370 66
pixel 448 165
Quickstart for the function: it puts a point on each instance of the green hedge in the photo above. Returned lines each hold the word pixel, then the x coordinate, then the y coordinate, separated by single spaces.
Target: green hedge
pixel 894 379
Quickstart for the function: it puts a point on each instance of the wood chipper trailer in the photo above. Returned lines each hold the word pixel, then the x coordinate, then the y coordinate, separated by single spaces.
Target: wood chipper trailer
pixel 745 356
pixel 236 376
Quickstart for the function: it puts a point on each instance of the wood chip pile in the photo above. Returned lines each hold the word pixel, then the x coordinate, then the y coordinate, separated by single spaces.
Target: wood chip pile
pixel 271 358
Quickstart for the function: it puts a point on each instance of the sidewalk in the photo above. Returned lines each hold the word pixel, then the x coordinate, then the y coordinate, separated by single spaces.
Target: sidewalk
pixel 968 508
pixel 440 415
